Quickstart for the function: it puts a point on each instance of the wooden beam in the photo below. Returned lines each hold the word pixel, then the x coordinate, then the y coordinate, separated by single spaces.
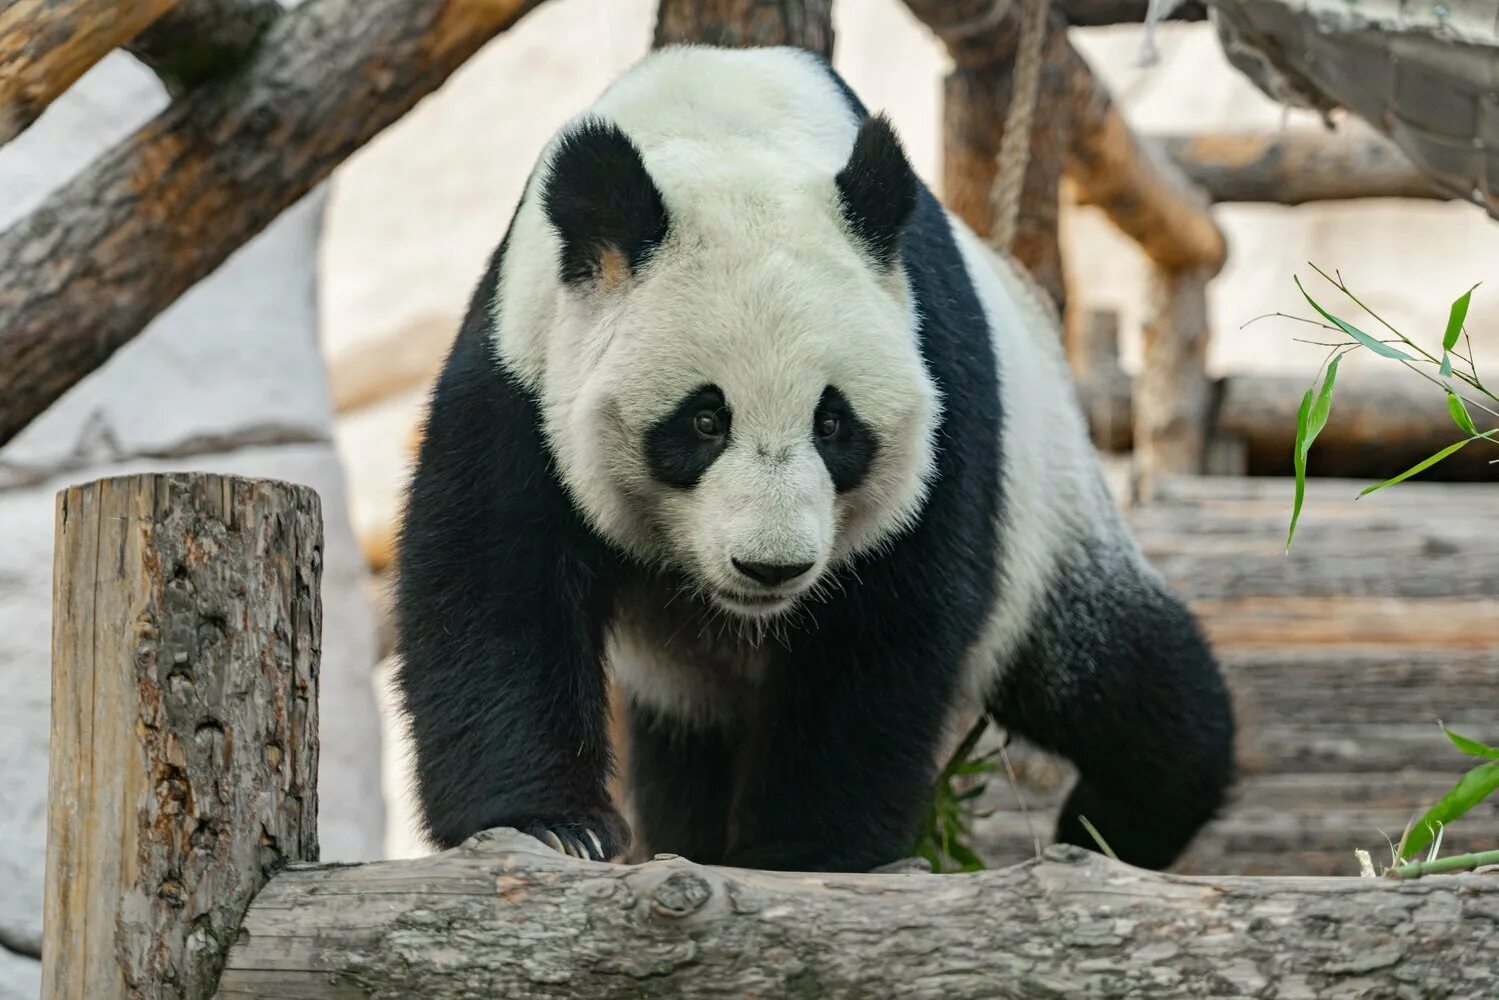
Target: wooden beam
pixel 197 40
pixel 112 248
pixel 1297 166
pixel 504 916
pixel 186 631
pixel 46 45
pixel 1100 13
pixel 1140 189
pixel 807 24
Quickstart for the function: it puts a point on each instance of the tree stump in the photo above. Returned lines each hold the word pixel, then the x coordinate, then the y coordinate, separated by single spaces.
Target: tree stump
pixel 186 637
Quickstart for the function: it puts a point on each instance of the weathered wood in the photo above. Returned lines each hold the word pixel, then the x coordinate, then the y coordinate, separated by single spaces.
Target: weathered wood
pixel 186 634
pixel 1173 395
pixel 807 24
pixel 198 40
pixel 982 36
pixel 1140 189
pixel 504 916
pixel 1297 166
pixel 46 45
pixel 106 252
pixel 1100 13
pixel 1104 388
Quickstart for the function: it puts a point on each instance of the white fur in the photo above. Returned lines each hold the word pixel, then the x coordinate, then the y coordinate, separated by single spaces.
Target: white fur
pixel 758 290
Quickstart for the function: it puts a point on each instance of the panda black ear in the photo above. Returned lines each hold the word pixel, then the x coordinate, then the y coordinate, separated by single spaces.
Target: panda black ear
pixel 603 204
pixel 877 188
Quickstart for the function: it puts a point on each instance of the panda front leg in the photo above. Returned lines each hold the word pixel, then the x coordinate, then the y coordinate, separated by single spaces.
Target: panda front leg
pixel 837 767
pixel 1118 679
pixel 681 781
pixel 503 598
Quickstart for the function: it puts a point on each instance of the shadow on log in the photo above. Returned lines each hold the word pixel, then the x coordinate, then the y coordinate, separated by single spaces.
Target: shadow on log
pixel 504 916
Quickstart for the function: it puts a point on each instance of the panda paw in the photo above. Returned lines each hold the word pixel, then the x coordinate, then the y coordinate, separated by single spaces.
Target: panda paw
pixel 589 838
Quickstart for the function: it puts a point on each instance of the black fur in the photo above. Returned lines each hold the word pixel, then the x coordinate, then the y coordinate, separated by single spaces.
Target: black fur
pixel 877 189
pixel 501 602
pixel 677 454
pixel 849 453
pixel 599 197
pixel 505 596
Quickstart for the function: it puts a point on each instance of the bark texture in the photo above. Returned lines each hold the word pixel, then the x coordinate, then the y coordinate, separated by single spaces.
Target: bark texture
pixel 1173 396
pixel 807 24
pixel 198 40
pixel 503 916
pixel 116 245
pixel 1300 165
pixel 187 631
pixel 46 45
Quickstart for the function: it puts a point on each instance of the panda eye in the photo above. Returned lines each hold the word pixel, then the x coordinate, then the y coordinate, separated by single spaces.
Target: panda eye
pixel 707 425
pixel 827 424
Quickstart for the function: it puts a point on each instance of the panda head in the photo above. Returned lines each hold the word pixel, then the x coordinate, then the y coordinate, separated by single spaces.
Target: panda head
pixel 734 387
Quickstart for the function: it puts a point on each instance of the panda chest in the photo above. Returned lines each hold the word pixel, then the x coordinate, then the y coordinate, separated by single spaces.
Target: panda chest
pixel 681 657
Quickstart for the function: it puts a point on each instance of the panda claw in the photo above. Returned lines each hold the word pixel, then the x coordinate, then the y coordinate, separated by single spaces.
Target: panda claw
pixel 598 847
pixel 552 840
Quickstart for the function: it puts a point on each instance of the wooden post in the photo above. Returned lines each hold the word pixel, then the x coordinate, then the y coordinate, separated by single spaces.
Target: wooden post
pixel 1173 397
pixel 185 644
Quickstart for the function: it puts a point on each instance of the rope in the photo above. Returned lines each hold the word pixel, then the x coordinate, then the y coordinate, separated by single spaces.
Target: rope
pixel 1015 145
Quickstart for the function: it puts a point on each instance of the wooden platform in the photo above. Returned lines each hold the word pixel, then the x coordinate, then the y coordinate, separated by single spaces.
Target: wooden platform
pixel 1341 656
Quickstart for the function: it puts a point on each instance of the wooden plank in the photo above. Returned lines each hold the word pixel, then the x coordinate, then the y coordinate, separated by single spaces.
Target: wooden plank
pixel 186 632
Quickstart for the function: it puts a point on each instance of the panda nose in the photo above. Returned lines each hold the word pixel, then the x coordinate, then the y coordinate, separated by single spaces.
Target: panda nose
pixel 771 574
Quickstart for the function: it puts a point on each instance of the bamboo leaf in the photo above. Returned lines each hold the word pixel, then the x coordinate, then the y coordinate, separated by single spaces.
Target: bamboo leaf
pixel 1303 414
pixel 1460 413
pixel 1445 368
pixel 1455 319
pixel 1420 466
pixel 1470 746
pixel 1471 789
pixel 1373 344
pixel 1103 845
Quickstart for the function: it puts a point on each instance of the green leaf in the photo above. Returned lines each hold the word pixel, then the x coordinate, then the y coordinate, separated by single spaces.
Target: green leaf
pixel 1456 318
pixel 1420 466
pixel 1303 413
pixel 1471 789
pixel 1445 368
pixel 1460 413
pixel 1382 349
pixel 1103 845
pixel 1470 746
pixel 1310 419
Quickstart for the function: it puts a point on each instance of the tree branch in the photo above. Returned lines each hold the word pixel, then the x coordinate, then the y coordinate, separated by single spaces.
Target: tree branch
pixel 46 45
pixel 120 242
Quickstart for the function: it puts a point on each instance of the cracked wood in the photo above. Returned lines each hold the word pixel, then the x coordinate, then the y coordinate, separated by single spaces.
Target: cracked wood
pixel 186 636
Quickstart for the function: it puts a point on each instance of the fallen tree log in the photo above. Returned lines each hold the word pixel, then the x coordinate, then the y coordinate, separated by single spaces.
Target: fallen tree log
pixel 1299 166
pixel 116 245
pixel 505 916
pixel 46 45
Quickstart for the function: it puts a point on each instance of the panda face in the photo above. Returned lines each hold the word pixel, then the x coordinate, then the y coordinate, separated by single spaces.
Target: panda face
pixel 730 373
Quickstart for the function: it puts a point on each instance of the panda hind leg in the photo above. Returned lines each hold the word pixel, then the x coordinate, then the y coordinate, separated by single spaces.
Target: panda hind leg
pixel 1122 683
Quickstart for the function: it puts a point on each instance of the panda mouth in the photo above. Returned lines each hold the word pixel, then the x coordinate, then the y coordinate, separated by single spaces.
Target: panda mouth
pixel 753 605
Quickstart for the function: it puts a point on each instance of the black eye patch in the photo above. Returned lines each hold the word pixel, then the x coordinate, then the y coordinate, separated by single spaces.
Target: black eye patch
pixel 849 450
pixel 681 446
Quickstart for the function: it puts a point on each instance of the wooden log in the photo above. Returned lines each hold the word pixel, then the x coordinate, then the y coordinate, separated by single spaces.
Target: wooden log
pixel 197 40
pixel 1101 13
pixel 1104 387
pixel 504 916
pixel 106 252
pixel 1140 189
pixel 186 634
pixel 46 45
pixel 1297 166
pixel 1173 396
pixel 807 24
pixel 408 358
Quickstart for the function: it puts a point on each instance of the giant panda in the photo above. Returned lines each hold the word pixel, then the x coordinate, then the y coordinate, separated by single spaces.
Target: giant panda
pixel 741 416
